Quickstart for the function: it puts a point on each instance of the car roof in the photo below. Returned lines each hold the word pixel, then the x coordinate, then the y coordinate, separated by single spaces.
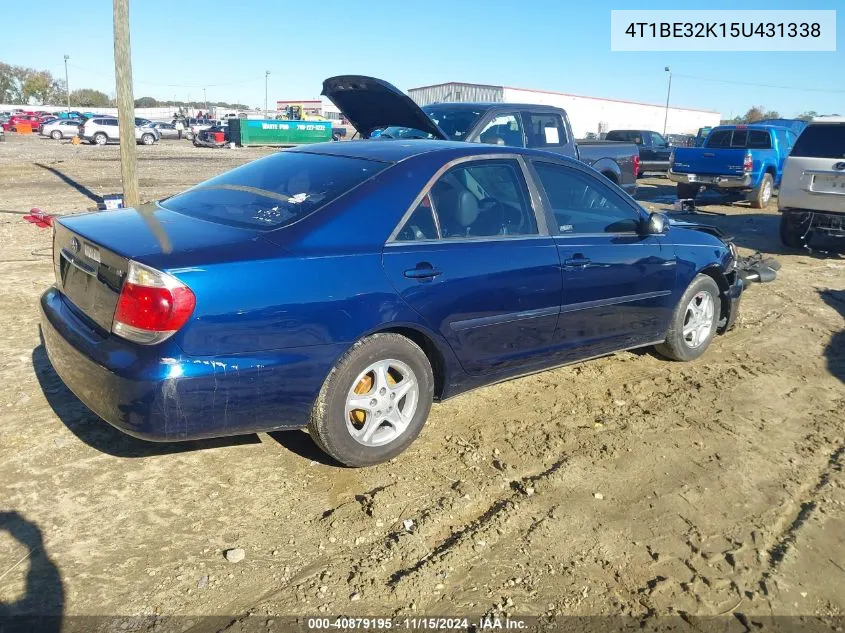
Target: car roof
pixel 395 150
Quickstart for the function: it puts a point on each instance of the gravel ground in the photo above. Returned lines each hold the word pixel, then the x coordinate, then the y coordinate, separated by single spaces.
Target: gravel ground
pixel 627 485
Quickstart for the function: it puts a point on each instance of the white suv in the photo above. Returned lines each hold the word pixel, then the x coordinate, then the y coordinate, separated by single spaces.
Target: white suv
pixel 812 190
pixel 102 130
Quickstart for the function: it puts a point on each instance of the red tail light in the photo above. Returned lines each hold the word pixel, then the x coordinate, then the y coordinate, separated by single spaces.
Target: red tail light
pixel 635 158
pixel 152 305
pixel 748 163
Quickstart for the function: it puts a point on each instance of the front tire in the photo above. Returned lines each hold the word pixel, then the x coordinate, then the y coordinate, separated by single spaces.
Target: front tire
pixel 100 139
pixel 148 139
pixel 56 135
pixel 687 191
pixel 374 402
pixel 694 322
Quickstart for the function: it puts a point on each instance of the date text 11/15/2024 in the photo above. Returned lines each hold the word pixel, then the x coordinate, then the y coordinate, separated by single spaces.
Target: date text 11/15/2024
pixel 483 623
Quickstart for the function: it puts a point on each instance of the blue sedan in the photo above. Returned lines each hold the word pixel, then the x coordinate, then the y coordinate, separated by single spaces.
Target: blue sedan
pixel 347 286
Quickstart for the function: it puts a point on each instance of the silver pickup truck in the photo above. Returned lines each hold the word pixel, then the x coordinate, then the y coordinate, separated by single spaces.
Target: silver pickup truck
pixel 378 109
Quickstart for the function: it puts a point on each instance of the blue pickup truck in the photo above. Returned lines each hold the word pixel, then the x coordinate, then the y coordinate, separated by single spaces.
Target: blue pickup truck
pixel 743 160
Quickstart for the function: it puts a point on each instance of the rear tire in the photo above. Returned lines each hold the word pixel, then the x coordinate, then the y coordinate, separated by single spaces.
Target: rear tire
pixel 694 322
pixel 795 228
pixel 368 373
pixel 687 191
pixel 762 195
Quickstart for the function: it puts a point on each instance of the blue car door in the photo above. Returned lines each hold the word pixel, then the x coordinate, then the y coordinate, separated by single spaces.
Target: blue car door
pixel 617 281
pixel 475 260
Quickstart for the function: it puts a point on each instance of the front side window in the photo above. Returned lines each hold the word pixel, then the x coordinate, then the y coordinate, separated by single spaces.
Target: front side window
pixel 274 191
pixel 545 130
pixel 581 204
pixel 657 140
pixel 503 129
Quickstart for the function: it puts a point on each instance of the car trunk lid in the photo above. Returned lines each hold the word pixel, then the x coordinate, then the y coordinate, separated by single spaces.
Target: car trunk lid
pixel 91 252
pixel 370 104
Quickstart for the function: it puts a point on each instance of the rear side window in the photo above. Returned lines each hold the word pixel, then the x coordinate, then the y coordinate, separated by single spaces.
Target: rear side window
pixel 821 140
pixel 759 139
pixel 616 135
pixel 274 191
pixel 545 130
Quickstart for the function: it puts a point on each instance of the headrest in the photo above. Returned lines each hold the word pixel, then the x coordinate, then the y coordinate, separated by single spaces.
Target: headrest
pixel 467 208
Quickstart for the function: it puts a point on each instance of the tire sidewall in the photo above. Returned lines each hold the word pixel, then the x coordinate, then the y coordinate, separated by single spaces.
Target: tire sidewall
pixel 100 139
pixel 56 135
pixel 335 436
pixel 758 202
pixel 147 139
pixel 675 338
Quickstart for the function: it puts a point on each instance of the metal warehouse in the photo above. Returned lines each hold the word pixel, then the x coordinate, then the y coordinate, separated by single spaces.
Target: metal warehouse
pixel 586 114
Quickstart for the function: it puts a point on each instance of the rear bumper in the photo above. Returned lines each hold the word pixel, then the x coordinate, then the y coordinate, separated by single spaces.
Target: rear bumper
pixel 157 393
pixel 722 182
pixel 828 222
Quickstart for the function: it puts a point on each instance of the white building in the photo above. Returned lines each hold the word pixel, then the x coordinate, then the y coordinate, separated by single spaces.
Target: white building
pixel 586 114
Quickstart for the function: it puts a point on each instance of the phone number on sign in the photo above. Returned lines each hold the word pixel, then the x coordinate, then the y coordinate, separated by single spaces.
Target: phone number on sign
pixel 724 29
pixel 353 624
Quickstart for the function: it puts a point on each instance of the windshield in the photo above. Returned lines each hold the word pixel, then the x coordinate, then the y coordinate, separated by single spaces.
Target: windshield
pixel 274 191
pixel 455 122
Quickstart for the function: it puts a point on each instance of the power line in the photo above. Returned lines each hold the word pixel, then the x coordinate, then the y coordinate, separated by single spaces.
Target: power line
pixel 163 85
pixel 746 83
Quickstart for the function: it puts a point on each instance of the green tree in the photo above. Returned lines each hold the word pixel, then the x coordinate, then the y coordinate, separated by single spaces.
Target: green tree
pixel 146 102
pixel 88 98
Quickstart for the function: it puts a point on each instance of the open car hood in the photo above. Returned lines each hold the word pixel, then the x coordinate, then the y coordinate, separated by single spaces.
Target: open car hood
pixel 371 103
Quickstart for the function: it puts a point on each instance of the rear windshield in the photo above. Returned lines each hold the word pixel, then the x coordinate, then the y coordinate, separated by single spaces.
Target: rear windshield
pixel 274 191
pixel 455 122
pixel 821 140
pixel 739 139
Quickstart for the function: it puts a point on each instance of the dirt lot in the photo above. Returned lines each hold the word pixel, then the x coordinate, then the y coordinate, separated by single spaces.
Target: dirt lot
pixel 627 485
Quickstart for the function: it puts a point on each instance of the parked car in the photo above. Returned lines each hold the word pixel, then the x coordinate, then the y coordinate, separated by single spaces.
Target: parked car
pixel 209 136
pixel 812 192
pixel 166 130
pixel 745 160
pixel 102 130
pixel 195 126
pixel 32 120
pixel 373 105
pixel 73 114
pixel 654 149
pixel 346 286
pixel 61 128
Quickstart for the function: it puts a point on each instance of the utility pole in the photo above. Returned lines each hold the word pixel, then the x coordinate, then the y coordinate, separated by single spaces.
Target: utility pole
pixel 67 84
pixel 668 92
pixel 125 104
pixel 266 79
pixel 204 98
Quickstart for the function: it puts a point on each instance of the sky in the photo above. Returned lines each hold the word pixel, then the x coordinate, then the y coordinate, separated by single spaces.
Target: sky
pixel 180 48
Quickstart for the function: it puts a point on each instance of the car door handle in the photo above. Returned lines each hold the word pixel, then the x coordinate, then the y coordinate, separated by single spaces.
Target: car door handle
pixel 576 262
pixel 422 271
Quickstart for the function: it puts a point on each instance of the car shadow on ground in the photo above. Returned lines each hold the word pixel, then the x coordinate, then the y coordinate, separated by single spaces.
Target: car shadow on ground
pixel 835 350
pixel 98 434
pixel 85 191
pixel 42 603
pixel 299 443
pixel 750 228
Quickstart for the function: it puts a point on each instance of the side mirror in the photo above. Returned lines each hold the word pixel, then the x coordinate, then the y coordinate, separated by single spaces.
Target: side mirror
pixel 657 224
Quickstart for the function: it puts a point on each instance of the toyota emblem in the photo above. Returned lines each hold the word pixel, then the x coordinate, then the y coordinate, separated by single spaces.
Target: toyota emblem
pixel 74 245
